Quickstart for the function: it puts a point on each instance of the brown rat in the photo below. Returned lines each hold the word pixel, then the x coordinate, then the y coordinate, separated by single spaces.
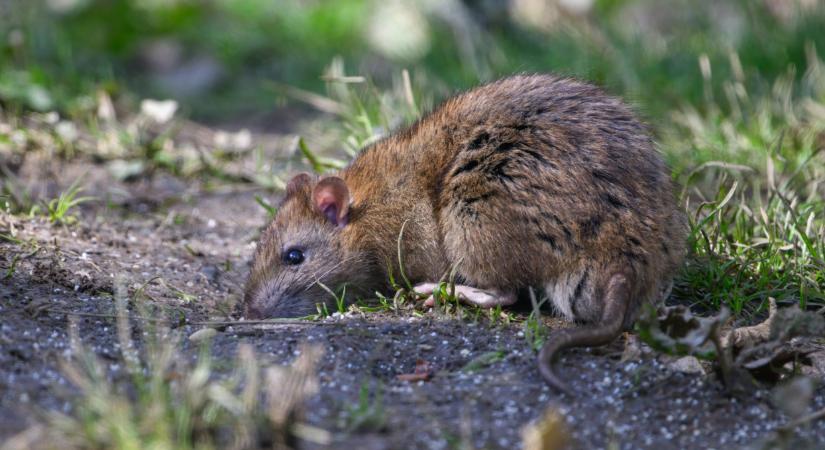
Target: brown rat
pixel 529 181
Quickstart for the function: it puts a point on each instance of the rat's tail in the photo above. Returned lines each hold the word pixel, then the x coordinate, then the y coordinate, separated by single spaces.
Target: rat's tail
pixel 616 301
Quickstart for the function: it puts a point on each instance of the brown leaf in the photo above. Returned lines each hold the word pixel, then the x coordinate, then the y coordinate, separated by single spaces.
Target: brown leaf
pixel 423 372
pixel 784 337
pixel 749 336
pixel 766 361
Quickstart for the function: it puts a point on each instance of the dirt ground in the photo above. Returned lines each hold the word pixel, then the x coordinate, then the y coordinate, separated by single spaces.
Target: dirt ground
pixel 192 243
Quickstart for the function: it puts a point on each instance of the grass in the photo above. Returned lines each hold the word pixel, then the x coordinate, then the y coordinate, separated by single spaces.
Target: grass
pixel 339 297
pixel 14 198
pixel 484 360
pixel 368 414
pixel 270 209
pixel 319 164
pixel 12 267
pixel 17 200
pixel 535 331
pixel 171 402
pixel 57 210
pixel 752 184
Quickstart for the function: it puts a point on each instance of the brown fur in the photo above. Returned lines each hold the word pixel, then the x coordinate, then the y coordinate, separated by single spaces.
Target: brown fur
pixel 530 181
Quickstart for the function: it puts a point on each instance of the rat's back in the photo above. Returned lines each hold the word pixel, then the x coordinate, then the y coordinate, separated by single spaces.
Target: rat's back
pixel 555 184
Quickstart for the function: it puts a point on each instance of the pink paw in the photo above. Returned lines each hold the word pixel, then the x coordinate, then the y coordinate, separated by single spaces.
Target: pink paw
pixel 468 295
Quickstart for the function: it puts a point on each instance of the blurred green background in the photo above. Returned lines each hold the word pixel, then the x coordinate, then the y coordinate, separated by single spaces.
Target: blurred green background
pixel 225 58
pixel 734 91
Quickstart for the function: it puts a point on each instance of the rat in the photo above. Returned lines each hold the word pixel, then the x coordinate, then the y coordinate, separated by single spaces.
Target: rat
pixel 529 182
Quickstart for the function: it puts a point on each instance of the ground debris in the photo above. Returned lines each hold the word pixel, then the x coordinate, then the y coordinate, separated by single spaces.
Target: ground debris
pixel 677 331
pixel 747 336
pixel 746 356
pixel 423 372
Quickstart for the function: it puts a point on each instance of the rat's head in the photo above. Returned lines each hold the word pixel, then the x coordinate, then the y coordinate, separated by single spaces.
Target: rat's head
pixel 302 249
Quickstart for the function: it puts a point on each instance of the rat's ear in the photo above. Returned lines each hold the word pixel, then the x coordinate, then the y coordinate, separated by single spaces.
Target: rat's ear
pixel 297 183
pixel 331 197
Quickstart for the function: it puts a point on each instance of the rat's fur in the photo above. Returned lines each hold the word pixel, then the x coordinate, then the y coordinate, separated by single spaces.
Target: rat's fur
pixel 530 181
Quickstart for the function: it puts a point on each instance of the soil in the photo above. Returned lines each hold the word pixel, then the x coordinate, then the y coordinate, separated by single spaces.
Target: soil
pixel 186 245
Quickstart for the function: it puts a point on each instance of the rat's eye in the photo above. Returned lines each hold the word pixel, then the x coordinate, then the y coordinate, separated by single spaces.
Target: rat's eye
pixel 293 257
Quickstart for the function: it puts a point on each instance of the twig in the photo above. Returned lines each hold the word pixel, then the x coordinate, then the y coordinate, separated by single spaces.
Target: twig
pixel 102 315
pixel 814 416
pixel 724 353
pixel 219 323
pixel 233 323
pixel 319 102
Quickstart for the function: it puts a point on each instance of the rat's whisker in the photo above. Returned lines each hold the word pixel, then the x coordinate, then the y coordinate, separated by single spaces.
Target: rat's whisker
pixel 318 278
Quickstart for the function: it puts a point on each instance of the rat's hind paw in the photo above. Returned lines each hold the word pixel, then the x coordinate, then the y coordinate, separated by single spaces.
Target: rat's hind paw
pixel 469 295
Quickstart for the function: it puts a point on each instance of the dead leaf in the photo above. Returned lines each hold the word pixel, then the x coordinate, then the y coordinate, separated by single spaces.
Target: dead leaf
pixel 423 372
pixel 677 331
pixel 749 336
pixel 766 361
pixel 789 340
pixel 745 355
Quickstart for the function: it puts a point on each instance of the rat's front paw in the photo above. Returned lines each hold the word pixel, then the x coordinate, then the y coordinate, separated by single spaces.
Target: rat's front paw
pixel 426 289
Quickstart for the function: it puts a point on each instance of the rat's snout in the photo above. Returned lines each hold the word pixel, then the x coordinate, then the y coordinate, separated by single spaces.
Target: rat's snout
pixel 272 306
pixel 259 305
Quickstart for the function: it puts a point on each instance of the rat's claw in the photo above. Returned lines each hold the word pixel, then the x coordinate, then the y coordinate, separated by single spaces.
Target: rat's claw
pixel 426 289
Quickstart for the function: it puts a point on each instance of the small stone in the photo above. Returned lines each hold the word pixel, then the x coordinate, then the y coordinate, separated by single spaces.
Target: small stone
pixel 687 364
